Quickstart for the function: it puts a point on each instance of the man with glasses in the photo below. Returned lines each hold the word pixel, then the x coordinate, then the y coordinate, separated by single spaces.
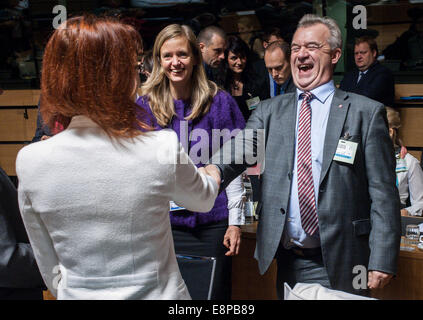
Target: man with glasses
pixel 329 201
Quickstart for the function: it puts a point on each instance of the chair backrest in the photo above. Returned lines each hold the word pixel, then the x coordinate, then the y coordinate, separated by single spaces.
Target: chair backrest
pixel 198 274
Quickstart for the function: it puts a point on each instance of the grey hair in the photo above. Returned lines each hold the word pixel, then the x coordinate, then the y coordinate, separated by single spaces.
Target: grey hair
pixel 335 38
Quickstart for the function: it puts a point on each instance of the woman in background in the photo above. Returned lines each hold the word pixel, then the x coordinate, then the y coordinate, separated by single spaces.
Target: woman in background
pixel 94 198
pixel 146 65
pixel 409 172
pixel 241 81
pixel 178 96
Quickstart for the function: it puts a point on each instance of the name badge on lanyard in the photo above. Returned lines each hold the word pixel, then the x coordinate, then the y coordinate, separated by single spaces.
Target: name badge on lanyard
pixel 401 166
pixel 174 207
pixel 345 152
pixel 252 103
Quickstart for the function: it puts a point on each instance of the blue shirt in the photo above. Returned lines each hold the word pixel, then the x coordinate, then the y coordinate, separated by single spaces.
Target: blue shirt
pixel 294 235
pixel 274 85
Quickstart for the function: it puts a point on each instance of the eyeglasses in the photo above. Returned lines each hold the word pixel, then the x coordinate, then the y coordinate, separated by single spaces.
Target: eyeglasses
pixel 309 47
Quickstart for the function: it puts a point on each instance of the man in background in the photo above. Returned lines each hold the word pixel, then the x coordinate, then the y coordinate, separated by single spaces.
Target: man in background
pixel 370 79
pixel 269 36
pixel 212 43
pixel 329 201
pixel 276 59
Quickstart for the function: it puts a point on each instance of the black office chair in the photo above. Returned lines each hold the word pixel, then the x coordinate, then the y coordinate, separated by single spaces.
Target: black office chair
pixel 198 274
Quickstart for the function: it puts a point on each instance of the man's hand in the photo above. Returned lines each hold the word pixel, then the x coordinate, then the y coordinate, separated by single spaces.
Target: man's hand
pixel 377 279
pixel 232 240
pixel 45 137
pixel 214 172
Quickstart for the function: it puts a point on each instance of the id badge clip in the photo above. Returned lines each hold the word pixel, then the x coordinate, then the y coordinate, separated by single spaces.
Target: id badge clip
pixel 401 166
pixel 252 103
pixel 174 207
pixel 345 151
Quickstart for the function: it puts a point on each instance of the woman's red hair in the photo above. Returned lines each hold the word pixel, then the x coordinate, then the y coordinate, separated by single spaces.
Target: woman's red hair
pixel 89 68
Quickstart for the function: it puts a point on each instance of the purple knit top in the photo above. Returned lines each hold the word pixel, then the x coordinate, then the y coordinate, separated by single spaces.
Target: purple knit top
pixel 224 114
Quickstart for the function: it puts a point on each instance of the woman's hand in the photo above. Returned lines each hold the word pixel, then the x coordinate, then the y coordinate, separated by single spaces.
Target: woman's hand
pixel 212 171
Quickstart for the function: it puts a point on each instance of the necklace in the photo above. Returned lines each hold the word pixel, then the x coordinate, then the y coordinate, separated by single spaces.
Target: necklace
pixel 236 85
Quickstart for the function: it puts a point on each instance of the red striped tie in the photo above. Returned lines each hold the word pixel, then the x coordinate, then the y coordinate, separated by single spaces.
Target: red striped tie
pixel 306 197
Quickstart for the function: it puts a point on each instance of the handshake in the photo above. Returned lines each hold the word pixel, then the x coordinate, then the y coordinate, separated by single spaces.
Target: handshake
pixel 213 171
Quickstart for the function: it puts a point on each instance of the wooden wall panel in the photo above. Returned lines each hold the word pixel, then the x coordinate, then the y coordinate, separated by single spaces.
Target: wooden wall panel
pixel 8 153
pixel 411 131
pixel 409 89
pixel 19 98
pixel 247 283
pixel 15 127
pixel 416 154
pixel 388 34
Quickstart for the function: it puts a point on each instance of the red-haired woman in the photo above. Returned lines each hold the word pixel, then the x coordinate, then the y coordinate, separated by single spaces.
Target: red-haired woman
pixel 95 197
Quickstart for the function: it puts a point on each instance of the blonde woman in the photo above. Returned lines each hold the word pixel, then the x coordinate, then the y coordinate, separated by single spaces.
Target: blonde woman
pixel 409 172
pixel 178 96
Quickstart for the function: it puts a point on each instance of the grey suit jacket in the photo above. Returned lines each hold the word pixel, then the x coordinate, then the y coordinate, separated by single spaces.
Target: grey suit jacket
pixel 358 205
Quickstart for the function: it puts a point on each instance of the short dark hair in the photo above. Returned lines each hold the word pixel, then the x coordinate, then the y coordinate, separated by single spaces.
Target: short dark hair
pixel 207 33
pixel 237 46
pixel 284 46
pixel 370 41
pixel 148 61
pixel 272 31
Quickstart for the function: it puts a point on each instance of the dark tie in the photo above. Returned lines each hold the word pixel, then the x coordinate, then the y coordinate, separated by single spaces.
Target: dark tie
pixel 360 74
pixel 306 196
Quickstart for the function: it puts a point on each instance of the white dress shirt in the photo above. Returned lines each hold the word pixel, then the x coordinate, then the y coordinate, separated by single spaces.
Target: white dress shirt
pixel 410 183
pixel 294 235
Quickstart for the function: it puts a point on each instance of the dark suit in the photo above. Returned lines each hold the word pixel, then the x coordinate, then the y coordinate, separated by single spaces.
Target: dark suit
pixel 377 84
pixel 217 75
pixel 358 205
pixel 19 275
pixel 42 129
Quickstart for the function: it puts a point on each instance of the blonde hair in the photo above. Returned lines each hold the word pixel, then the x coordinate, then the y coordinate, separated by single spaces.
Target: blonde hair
pixel 157 86
pixel 394 122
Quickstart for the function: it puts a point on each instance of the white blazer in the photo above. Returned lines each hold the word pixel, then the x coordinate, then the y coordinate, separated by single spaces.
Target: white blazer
pixel 96 211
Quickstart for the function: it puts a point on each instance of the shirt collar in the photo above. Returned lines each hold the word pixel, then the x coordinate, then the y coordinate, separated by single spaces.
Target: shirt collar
pixel 81 121
pixel 322 92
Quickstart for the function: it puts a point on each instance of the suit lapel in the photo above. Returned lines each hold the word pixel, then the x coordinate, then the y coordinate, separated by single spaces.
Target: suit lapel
pixel 337 114
pixel 286 116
